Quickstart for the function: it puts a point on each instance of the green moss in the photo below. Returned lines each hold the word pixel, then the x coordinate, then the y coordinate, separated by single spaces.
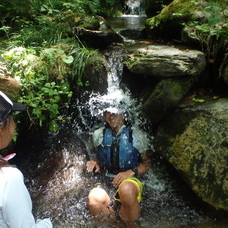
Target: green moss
pixel 181 10
pixel 192 153
pixel 88 23
pixel 97 63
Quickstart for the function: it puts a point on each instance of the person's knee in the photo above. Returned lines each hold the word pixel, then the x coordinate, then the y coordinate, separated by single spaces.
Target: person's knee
pixel 98 196
pixel 130 208
pixel 128 192
pixel 98 201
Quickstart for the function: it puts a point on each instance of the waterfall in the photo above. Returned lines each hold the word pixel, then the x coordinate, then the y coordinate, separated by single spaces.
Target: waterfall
pixel 91 107
pixel 134 7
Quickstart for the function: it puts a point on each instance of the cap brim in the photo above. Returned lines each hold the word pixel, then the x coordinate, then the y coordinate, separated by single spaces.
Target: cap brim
pixel 18 107
pixel 114 110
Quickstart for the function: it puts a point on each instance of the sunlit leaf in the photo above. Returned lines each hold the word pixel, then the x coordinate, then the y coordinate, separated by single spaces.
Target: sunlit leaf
pixel 67 59
pixel 198 100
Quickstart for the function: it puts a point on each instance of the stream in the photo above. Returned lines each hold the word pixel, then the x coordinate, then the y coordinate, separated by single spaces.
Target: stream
pixel 167 201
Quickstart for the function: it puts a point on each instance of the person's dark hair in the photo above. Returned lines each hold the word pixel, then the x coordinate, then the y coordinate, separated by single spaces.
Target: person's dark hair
pixel 3 163
pixel 6 122
pixel 3 125
pixel 7 106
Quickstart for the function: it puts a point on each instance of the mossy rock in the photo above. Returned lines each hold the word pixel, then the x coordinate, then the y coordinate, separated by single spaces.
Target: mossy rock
pixel 96 74
pixel 169 22
pixel 153 7
pixel 194 141
pixel 165 96
pixel 88 22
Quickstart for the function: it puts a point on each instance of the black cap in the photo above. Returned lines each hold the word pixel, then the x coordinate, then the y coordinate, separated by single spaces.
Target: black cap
pixel 7 106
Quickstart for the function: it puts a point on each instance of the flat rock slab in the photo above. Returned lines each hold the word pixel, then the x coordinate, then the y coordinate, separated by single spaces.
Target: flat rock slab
pixel 164 61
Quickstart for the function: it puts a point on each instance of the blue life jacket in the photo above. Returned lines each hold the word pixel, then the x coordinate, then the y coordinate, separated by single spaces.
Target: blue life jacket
pixel 117 153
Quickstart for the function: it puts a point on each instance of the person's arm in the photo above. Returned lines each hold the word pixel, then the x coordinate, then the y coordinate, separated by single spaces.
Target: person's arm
pixel 92 166
pixel 142 168
pixel 17 204
pixel 141 143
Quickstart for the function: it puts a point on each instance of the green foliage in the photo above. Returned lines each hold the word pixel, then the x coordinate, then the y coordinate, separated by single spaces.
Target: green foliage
pixel 108 8
pixel 47 76
pixel 81 56
pixel 212 39
pixel 43 53
pixel 43 90
pixel 215 14
pixel 198 100
pixel 213 35
pixel 86 7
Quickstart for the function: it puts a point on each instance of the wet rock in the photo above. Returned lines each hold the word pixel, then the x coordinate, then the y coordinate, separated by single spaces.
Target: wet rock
pixel 165 96
pixel 164 61
pixel 170 22
pixel 176 71
pixel 100 37
pixel 224 69
pixel 9 84
pixel 194 141
pixel 55 174
pixel 96 71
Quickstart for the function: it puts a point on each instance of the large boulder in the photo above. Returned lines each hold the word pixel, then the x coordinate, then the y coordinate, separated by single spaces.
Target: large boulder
pixel 170 22
pixel 165 96
pixel 54 170
pixel 194 140
pixel 170 73
pixel 164 61
pixel 99 36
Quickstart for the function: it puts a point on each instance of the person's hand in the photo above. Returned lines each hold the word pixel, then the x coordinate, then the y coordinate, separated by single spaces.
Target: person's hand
pixel 92 166
pixel 122 176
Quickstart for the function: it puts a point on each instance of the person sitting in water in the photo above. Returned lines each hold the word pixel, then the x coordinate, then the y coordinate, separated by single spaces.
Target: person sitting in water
pixel 15 201
pixel 123 151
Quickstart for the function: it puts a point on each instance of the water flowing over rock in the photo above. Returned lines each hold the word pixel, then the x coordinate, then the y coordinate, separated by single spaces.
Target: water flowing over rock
pixel 54 175
pixel 194 141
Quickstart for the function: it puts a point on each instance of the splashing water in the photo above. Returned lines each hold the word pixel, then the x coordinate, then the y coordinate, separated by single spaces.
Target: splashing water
pixel 91 111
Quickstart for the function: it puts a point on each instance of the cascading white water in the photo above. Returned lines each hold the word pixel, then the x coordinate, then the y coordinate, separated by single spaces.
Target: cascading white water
pixel 134 7
pixel 117 94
